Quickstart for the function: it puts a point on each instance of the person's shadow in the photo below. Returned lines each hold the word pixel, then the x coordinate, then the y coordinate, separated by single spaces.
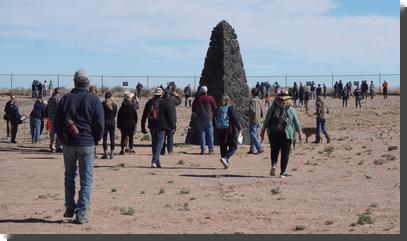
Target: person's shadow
pixel 30 220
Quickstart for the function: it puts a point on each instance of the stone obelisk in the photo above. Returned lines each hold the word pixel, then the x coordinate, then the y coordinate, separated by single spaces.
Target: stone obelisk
pixel 224 73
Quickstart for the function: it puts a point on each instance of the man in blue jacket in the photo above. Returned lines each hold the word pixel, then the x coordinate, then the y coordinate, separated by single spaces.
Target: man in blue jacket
pixel 79 123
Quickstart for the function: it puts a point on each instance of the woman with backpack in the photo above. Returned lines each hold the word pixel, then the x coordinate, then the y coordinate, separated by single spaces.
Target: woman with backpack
pixel 110 109
pixel 126 122
pixel 227 127
pixel 282 124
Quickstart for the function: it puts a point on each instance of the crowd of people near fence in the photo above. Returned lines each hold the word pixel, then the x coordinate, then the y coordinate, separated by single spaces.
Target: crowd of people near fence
pixel 78 121
pixel 40 89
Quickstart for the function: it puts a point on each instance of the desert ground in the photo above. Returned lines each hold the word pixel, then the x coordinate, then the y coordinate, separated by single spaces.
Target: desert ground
pixel 333 187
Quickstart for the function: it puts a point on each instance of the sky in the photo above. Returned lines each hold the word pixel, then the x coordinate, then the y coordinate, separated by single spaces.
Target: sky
pixel 171 37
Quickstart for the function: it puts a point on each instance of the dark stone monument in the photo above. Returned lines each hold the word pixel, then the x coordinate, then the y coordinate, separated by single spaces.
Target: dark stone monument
pixel 224 73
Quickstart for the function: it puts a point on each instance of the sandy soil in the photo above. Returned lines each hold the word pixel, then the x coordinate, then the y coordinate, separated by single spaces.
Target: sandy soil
pixel 331 184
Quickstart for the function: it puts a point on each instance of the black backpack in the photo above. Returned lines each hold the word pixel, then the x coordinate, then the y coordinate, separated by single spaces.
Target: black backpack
pixel 278 121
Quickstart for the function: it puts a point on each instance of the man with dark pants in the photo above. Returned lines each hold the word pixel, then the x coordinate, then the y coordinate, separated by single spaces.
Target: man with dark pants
pixel 321 109
pixel 188 94
pixel 255 114
pixel 161 118
pixel 168 141
pixel 7 114
pixel 282 124
pixel 53 102
pixel 79 123
pixel 358 97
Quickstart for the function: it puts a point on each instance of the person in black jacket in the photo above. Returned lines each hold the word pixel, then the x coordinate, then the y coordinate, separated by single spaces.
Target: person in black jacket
pixel 126 122
pixel 6 114
pixel 36 119
pixel 227 127
pixel 169 135
pixel 188 94
pixel 15 118
pixel 161 116
pixel 110 109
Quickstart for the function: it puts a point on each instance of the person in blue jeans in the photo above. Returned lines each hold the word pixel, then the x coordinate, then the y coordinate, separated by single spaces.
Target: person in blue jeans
pixel 321 110
pixel 255 115
pixel 36 119
pixel 161 115
pixel 79 123
pixel 203 108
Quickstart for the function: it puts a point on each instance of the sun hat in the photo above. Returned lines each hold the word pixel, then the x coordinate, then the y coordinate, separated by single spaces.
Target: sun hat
pixel 204 89
pixel 284 95
pixel 128 94
pixel 158 91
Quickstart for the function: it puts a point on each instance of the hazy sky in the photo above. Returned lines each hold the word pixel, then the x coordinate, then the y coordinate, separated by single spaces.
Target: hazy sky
pixel 170 37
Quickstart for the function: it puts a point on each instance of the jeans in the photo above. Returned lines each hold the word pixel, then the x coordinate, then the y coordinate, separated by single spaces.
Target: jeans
pixel 321 125
pixel 85 156
pixel 157 139
pixel 254 139
pixel 35 125
pixel 206 135
pixel 279 142
pixel 168 141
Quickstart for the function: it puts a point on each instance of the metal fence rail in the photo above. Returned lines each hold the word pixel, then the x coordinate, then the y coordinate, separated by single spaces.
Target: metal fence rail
pixel 12 81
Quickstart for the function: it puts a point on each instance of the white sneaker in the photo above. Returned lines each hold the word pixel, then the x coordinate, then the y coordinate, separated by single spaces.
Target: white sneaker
pixel 273 171
pixel 224 162
pixel 154 165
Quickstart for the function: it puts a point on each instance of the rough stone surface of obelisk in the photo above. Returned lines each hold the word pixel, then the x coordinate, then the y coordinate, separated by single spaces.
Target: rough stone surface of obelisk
pixel 224 73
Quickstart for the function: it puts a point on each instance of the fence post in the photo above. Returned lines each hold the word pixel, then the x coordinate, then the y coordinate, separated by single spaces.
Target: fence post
pixel 194 83
pixel 286 84
pixel 11 84
pixel 102 84
pixel 380 81
pixel 148 84
pixel 58 80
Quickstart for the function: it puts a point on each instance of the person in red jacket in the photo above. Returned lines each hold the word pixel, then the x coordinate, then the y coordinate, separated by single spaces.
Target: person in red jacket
pixel 203 108
pixel 385 86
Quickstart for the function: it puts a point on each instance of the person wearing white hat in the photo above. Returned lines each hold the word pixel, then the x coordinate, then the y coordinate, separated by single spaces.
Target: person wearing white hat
pixel 203 108
pixel 161 117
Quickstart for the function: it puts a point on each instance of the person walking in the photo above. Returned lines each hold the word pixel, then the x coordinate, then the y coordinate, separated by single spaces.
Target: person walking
pixel 227 128
pixel 36 118
pixel 321 110
pixel 255 114
pixel 307 98
pixel 324 90
pixel 79 123
pixel 110 109
pixel 188 94
pixel 358 96
pixel 126 122
pixel 282 124
pixel 161 117
pixel 301 95
pixel 6 116
pixel 168 142
pixel 385 86
pixel 371 88
pixel 51 109
pixel 203 108
pixel 345 96
pixel 15 118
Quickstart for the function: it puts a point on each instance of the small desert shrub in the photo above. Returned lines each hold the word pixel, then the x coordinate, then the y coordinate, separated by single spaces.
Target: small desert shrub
pixel 329 149
pixel 114 190
pixel 180 162
pixel 185 191
pixel 186 206
pixel 171 181
pixel 275 190
pixel 161 191
pixel 373 205
pixel 127 211
pixel 142 192
pixel 365 218
pixel 392 148
pixel 299 227
pixel 146 137
pixel 329 222
pixel 378 162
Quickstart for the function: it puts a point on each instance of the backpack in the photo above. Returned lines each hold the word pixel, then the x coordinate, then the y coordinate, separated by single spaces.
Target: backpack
pixel 278 121
pixel 222 118
pixel 153 114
